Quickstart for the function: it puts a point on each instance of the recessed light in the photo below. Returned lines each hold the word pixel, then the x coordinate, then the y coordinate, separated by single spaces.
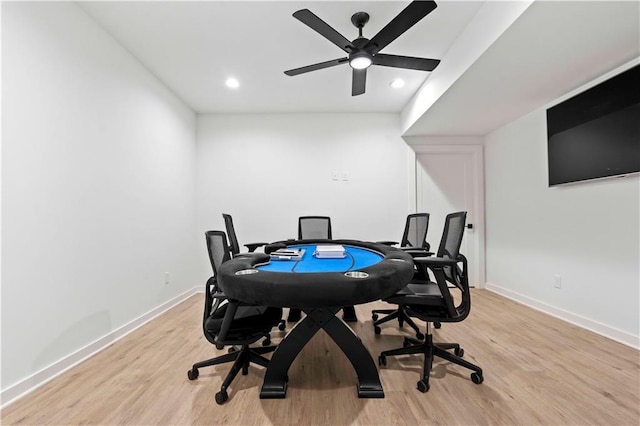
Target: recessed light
pixel 397 83
pixel 232 83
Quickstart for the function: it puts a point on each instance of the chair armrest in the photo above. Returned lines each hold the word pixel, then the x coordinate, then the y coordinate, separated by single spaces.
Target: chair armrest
pixel 270 248
pixel 253 246
pixel 388 243
pixel 435 261
pixel 437 266
pixel 232 308
pixel 416 252
pixel 219 295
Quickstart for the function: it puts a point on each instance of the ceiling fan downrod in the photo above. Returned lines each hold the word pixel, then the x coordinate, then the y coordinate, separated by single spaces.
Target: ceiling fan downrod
pixel 359 19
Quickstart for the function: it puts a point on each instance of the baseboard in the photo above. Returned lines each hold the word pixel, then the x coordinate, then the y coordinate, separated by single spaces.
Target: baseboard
pixel 28 385
pixel 586 323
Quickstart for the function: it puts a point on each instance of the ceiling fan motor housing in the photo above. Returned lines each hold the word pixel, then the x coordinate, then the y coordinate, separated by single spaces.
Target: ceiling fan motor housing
pixel 359 51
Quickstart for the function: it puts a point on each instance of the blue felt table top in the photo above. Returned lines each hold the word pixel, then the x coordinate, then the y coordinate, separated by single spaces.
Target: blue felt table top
pixel 357 258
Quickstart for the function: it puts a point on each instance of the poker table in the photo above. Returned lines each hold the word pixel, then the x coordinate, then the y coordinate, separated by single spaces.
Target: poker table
pixel 320 287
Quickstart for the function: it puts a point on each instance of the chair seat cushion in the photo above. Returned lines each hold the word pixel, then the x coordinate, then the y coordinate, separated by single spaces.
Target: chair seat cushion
pixel 422 300
pixel 429 313
pixel 423 293
pixel 247 322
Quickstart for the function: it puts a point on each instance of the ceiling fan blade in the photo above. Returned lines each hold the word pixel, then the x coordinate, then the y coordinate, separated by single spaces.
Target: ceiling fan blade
pixel 401 23
pixel 408 62
pixel 307 17
pixel 315 67
pixel 359 82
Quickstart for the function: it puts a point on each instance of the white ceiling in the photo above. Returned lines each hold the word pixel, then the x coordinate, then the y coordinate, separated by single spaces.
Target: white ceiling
pixel 194 46
pixel 552 49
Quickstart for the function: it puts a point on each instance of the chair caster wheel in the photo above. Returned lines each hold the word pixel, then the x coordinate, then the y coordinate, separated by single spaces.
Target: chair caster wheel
pixel 382 360
pixel 221 397
pixel 406 343
pixel 459 352
pixel 377 330
pixel 193 374
pixel 282 326
pixel 423 386
pixel 419 336
pixel 266 342
pixel 219 346
pixel 231 350
pixel 374 317
pixel 477 378
pixel 437 325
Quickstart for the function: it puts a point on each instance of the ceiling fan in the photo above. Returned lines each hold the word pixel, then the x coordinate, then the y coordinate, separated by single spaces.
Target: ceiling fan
pixel 364 52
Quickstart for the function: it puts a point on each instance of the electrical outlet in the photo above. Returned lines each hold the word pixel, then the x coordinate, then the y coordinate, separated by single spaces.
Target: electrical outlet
pixel 166 278
pixel 334 175
pixel 345 175
pixel 557 281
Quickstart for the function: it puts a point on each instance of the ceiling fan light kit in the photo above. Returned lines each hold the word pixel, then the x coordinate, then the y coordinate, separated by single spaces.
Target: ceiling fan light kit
pixel 360 60
pixel 364 52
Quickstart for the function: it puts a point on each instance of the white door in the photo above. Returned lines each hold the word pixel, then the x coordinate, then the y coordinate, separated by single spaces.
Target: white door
pixel 449 179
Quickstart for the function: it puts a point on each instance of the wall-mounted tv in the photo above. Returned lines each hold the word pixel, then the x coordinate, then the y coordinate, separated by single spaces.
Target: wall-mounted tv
pixel 596 133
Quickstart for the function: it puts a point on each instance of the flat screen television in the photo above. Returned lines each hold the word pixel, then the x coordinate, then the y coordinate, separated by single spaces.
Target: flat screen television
pixel 596 133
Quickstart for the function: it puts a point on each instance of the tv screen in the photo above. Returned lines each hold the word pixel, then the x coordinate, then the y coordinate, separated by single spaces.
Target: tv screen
pixel 596 133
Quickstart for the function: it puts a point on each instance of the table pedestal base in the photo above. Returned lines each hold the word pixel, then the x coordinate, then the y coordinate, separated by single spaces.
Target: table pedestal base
pixel 275 378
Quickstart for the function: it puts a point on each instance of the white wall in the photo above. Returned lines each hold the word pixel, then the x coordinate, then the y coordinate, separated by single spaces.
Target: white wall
pixel 98 176
pixel 268 169
pixel 588 233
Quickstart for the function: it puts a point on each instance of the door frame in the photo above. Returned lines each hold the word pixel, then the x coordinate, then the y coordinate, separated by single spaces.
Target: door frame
pixel 476 152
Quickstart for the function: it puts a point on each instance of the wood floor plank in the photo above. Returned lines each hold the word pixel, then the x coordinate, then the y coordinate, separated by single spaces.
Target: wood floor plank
pixel 538 370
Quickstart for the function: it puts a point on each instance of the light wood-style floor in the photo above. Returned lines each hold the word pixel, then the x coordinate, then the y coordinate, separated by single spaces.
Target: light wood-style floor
pixel 537 369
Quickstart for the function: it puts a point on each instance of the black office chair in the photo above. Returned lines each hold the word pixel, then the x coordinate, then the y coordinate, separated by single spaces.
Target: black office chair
pixel 311 228
pixel 229 322
pixel 318 227
pixel 414 241
pixel 435 302
pixel 235 249
pixel 233 240
pixel 414 235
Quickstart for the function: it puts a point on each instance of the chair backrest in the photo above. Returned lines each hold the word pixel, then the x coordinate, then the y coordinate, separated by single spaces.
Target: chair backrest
pixel 231 233
pixel 218 253
pixel 415 231
pixel 311 227
pixel 218 249
pixel 450 243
